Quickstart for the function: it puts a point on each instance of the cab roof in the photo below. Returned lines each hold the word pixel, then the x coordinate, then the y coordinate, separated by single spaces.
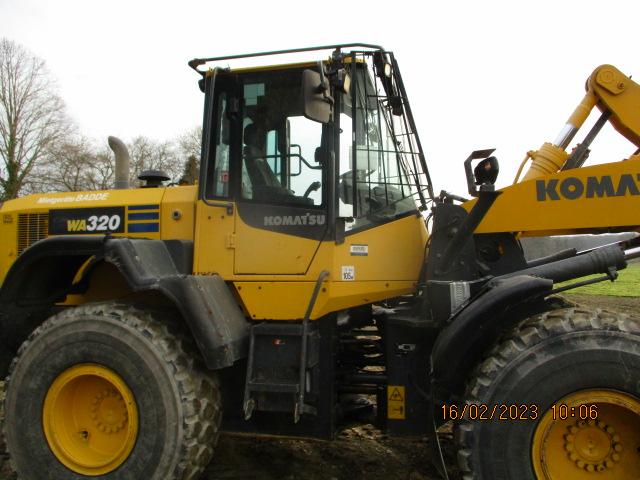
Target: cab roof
pixel 198 62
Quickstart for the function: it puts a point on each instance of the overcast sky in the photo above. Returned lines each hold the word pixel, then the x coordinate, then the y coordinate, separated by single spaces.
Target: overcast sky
pixel 479 74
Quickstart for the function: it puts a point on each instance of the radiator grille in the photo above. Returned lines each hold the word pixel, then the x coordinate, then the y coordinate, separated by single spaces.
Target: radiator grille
pixel 31 228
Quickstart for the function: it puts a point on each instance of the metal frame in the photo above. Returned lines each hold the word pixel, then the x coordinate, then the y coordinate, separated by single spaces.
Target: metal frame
pixel 196 62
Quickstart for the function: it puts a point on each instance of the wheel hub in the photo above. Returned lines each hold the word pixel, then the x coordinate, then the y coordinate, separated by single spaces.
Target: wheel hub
pixel 593 445
pixel 109 412
pixel 606 447
pixel 90 419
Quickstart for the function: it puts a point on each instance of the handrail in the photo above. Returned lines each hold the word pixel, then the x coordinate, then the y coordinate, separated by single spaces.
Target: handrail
pixel 196 62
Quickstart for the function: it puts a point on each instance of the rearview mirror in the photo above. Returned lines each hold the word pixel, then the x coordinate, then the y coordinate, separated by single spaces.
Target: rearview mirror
pixel 317 102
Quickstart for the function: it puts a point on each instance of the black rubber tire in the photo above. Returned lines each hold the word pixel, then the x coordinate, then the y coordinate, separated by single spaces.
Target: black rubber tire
pixel 546 358
pixel 5 468
pixel 178 402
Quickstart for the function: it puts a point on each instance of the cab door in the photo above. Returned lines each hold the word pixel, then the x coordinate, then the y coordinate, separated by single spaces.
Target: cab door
pixel 215 209
pixel 282 206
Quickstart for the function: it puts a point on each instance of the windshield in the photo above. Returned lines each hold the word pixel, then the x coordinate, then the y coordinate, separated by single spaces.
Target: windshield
pixel 377 152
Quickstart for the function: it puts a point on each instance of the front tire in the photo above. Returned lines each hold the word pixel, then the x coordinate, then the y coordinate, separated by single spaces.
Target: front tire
pixel 573 357
pixel 107 390
pixel 5 468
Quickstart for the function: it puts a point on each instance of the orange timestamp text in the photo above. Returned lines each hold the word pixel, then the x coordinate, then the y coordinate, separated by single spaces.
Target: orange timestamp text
pixel 483 411
pixel 517 412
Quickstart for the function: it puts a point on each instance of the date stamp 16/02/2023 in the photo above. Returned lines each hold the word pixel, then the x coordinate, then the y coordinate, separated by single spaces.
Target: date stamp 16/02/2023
pixel 517 412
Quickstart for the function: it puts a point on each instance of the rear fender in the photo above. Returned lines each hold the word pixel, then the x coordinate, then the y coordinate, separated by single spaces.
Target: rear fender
pixel 44 274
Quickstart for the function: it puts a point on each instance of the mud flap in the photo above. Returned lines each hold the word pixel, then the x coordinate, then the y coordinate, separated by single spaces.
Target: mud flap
pixel 217 323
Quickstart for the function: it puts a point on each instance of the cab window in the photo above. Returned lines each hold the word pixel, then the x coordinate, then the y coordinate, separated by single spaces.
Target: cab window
pixel 278 143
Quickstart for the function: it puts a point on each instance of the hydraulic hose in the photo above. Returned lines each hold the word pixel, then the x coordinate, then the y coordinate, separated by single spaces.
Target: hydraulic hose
pixel 600 260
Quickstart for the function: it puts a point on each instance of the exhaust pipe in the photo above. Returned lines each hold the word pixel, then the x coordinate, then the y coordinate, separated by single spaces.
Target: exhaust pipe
pixel 122 162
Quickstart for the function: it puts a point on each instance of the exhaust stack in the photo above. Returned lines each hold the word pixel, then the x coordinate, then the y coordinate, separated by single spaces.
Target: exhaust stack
pixel 122 162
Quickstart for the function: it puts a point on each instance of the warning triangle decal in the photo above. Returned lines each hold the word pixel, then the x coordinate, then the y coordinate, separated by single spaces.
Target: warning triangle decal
pixel 395 396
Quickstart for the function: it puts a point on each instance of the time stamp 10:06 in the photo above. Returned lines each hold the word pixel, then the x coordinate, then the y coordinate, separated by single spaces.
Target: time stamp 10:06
pixel 515 412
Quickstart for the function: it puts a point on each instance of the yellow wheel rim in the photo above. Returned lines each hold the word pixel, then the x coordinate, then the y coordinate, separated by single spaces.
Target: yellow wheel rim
pixel 592 434
pixel 90 419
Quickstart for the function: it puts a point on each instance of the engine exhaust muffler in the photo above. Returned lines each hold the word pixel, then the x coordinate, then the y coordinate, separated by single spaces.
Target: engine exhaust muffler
pixel 122 162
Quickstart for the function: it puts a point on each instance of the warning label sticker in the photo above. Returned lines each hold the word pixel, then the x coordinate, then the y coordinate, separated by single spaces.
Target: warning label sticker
pixel 348 273
pixel 395 402
pixel 359 250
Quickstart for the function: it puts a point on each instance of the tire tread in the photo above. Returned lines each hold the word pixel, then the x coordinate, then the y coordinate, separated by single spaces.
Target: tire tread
pixel 199 389
pixel 529 333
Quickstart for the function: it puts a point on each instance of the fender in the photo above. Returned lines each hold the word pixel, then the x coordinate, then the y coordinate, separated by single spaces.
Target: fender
pixel 504 303
pixel 43 275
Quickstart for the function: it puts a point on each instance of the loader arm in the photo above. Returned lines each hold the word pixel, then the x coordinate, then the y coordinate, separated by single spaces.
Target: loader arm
pixel 558 197
pixel 620 95
pixel 616 96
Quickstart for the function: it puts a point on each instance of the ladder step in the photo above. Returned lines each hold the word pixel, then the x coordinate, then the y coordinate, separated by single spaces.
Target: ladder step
pixel 276 329
pixel 273 387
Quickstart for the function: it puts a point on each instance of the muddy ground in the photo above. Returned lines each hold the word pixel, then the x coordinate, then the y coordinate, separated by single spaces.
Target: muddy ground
pixel 359 453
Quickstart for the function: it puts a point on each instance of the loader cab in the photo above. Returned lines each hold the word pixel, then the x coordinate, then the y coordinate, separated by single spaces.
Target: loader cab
pixel 317 163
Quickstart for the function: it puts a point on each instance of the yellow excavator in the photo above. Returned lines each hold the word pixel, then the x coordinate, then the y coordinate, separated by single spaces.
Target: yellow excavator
pixel 312 264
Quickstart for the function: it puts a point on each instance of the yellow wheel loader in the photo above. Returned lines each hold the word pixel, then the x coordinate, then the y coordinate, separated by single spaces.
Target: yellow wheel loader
pixel 312 264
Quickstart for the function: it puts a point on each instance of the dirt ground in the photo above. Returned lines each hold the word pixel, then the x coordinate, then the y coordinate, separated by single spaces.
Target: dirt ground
pixel 358 453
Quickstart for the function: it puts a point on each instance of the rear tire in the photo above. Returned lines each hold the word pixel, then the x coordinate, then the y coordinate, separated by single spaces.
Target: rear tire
pixel 177 403
pixel 547 359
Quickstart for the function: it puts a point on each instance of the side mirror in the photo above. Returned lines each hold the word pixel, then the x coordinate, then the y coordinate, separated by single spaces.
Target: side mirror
pixel 345 210
pixel 316 102
pixel 323 155
pixel 345 197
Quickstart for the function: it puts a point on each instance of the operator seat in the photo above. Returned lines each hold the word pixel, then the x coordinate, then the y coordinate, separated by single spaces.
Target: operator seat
pixel 265 184
pixel 258 169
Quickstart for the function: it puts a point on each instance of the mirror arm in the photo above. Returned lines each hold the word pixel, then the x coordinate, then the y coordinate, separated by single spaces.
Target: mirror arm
pixel 323 87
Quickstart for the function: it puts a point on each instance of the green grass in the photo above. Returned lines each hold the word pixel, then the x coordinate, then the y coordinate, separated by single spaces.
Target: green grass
pixel 627 284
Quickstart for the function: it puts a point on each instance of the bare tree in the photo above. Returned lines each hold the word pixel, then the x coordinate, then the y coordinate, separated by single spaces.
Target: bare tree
pixel 32 115
pixel 189 143
pixel 147 154
pixel 75 164
pixel 103 170
pixel 72 165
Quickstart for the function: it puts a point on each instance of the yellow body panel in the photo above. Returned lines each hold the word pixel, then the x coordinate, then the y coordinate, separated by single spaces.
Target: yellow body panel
pixel 289 300
pixel 531 207
pixel 263 252
pixel 395 255
pixel 396 251
pixel 177 213
pixel 8 237
pixel 174 207
pixel 213 246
